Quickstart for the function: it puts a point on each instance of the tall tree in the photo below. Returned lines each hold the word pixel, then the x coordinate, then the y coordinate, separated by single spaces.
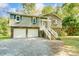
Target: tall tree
pixel 68 9
pixel 69 24
pixel 70 12
pixel 71 8
pixel 28 7
pixel 47 9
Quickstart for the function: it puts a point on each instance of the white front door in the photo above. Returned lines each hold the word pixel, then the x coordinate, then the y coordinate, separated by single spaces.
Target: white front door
pixel 32 33
pixel 19 33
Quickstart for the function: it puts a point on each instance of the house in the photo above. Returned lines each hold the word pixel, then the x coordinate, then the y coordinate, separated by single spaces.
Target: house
pixel 23 26
pixel 56 22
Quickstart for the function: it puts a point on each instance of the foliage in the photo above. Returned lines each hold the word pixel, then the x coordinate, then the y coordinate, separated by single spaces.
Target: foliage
pixel 68 9
pixel 69 13
pixel 71 8
pixel 47 9
pixel 28 7
pixel 69 24
pixel 63 33
pixel 3 27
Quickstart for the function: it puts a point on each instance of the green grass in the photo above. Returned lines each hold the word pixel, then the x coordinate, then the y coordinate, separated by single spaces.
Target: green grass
pixel 71 41
pixel 4 37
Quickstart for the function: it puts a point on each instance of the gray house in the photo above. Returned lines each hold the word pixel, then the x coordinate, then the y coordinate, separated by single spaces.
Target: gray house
pixel 23 25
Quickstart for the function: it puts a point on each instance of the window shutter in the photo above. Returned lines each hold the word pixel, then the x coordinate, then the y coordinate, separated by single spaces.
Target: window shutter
pixel 34 20
pixel 12 16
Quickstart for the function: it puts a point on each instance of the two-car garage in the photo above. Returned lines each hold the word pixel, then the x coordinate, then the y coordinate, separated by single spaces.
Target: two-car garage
pixel 24 32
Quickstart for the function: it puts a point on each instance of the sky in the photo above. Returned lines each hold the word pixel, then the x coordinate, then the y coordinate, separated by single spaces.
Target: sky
pixel 4 7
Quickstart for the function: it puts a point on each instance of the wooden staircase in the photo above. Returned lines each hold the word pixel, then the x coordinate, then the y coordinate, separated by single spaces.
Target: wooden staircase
pixel 51 34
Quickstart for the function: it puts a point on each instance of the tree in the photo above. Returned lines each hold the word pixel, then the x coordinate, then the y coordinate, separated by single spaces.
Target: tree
pixel 4 26
pixel 47 9
pixel 59 12
pixel 28 7
pixel 68 12
pixel 69 25
pixel 68 9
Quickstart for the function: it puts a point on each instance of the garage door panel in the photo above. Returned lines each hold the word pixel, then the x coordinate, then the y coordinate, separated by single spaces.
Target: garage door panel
pixel 19 33
pixel 32 32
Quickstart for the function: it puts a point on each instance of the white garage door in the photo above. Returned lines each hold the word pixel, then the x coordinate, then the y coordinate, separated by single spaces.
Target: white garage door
pixel 19 33
pixel 32 32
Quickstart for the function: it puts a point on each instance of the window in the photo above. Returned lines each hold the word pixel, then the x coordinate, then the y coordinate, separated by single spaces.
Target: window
pixel 34 20
pixel 12 16
pixel 18 18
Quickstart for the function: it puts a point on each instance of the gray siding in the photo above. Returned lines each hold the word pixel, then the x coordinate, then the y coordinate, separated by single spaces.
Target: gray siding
pixel 56 22
pixel 25 21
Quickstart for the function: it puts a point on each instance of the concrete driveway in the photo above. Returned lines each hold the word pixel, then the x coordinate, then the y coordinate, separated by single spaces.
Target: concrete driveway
pixel 30 47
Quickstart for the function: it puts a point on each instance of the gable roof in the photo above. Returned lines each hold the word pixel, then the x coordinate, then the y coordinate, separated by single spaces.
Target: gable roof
pixel 52 14
pixel 39 16
pixel 28 15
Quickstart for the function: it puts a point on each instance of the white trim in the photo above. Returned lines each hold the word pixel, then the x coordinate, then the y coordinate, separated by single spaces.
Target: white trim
pixel 34 19
pixel 16 18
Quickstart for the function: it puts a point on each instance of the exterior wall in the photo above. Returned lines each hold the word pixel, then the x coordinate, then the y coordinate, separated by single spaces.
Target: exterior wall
pixel 25 21
pixel 56 22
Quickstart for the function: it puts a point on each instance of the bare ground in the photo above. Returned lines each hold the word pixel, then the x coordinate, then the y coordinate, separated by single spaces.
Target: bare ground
pixel 67 51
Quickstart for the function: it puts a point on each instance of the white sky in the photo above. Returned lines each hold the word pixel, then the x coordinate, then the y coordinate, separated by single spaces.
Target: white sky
pixel 39 6
pixel 3 5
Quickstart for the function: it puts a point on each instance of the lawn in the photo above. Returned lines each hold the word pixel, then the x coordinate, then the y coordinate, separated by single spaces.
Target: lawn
pixel 71 44
pixel 4 37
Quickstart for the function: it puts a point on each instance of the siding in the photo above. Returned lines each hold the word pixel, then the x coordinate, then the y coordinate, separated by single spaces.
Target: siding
pixel 56 23
pixel 26 21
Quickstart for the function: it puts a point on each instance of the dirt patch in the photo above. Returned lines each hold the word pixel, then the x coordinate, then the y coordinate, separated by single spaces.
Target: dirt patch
pixel 68 51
